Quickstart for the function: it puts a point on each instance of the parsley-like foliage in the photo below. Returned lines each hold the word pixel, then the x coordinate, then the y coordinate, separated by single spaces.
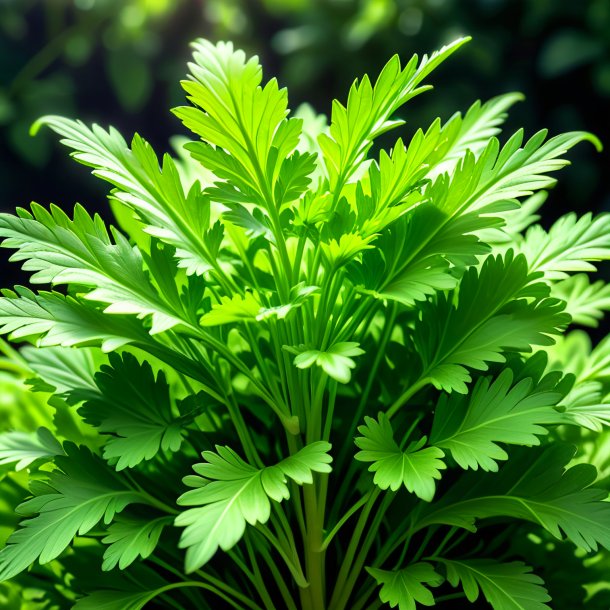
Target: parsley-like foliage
pixel 302 372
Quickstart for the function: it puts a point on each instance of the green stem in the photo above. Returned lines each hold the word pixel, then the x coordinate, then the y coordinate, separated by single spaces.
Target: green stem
pixel 362 403
pixel 350 554
pixel 314 551
pixel 258 580
pixel 278 579
pixel 360 559
pixel 357 506
pixel 406 395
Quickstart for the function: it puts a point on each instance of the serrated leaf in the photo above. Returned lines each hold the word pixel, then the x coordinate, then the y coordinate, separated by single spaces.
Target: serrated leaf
pixel 55 319
pixel 407 587
pixel 23 449
pixel 61 369
pixel 155 193
pixel 129 538
pixel 572 244
pixel 80 493
pixel 471 132
pixel 585 302
pixel 585 406
pixel 81 251
pixel 336 361
pixel 506 586
pixel 251 140
pixel 132 405
pixel 230 493
pixel 534 485
pixel 471 427
pixel 369 108
pixel 487 314
pixel 415 467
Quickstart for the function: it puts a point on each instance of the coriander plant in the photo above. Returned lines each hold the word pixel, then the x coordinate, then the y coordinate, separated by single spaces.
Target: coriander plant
pixel 306 373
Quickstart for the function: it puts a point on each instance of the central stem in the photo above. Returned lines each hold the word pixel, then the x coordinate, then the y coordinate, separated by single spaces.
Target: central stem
pixel 313 598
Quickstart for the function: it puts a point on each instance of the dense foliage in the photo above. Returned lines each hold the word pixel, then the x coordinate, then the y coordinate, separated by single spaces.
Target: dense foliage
pixel 306 373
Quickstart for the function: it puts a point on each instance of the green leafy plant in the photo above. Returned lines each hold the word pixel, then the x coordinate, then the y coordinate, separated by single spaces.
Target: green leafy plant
pixel 305 373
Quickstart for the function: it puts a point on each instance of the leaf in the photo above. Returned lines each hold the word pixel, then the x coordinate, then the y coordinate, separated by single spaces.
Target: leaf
pixel 572 244
pixel 369 108
pixel 134 407
pixel 404 588
pixel 415 468
pixel 503 411
pixel 535 486
pixel 229 493
pixel 155 193
pixel 490 312
pixel 247 137
pixel 129 538
pixel 80 251
pixel 336 361
pixel 56 319
pixel 23 449
pixel 61 369
pixel 249 309
pixel 585 302
pixel 471 132
pixel 233 309
pixel 500 176
pixel 506 586
pixel 81 492
pixel 586 407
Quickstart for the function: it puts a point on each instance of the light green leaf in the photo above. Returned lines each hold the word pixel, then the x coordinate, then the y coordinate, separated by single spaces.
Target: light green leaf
pixel 22 449
pixel 490 312
pixel 80 251
pixel 585 406
pixel 471 427
pixel 61 369
pixel 535 486
pixel 369 108
pixel 134 407
pixel 233 309
pixel 572 244
pixel 59 320
pixel 247 138
pixel 407 587
pixel 81 492
pixel 336 361
pixel 586 302
pixel 471 132
pixel 230 493
pixel 415 468
pixel 500 176
pixel 129 538
pixel 155 193
pixel 506 586
pixel 249 309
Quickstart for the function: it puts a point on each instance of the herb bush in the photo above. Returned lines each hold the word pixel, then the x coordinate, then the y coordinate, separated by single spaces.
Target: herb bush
pixel 307 375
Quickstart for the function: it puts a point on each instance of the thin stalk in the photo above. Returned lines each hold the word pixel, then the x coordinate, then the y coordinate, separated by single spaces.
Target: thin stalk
pixel 352 548
pixel 362 403
pixel 406 395
pixel 295 569
pixel 354 509
pixel 360 559
pixel 314 553
pixel 278 579
pixel 258 580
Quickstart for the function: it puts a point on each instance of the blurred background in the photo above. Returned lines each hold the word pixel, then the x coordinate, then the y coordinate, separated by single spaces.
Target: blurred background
pixel 119 62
